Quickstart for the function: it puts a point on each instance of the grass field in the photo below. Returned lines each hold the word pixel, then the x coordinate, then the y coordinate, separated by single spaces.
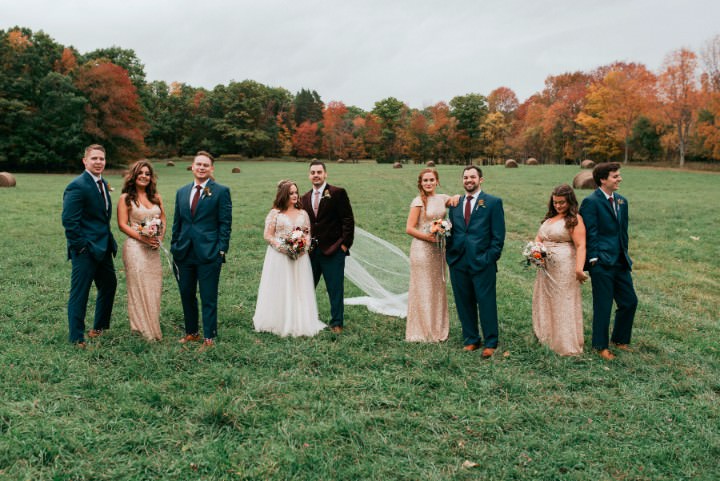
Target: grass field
pixel 365 405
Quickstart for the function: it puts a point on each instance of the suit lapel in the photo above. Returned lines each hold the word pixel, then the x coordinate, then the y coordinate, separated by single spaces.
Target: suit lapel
pixel 605 202
pixel 185 200
pixel 106 186
pixel 322 203
pixel 92 185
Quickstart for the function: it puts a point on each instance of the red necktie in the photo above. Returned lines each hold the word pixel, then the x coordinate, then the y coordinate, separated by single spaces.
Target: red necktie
pixel 196 198
pixel 612 205
pixel 468 200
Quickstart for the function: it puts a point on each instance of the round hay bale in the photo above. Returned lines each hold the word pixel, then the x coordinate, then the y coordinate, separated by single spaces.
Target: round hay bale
pixel 340 161
pixel 430 163
pixel 584 180
pixel 531 161
pixel 7 179
pixel 397 165
pixel 587 164
pixel 236 170
pixel 511 164
pixel 170 163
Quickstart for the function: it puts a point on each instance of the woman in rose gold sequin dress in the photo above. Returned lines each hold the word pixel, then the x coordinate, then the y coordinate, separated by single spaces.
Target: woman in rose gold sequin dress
pixel 427 316
pixel 138 205
pixel 557 303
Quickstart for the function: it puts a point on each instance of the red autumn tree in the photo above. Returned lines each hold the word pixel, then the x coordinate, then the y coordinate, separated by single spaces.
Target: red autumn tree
pixel 305 139
pixel 112 115
pixel 503 100
pixel 336 134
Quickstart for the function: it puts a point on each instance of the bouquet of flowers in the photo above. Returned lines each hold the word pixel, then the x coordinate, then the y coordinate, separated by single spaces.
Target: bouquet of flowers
pixel 294 243
pixel 536 254
pixel 150 227
pixel 441 228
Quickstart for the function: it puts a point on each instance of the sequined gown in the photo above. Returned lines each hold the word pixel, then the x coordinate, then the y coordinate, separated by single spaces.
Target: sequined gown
pixel 557 302
pixel 427 316
pixel 143 272
pixel 286 303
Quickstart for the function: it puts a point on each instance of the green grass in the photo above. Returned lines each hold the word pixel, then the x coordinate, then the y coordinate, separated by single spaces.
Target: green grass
pixel 365 405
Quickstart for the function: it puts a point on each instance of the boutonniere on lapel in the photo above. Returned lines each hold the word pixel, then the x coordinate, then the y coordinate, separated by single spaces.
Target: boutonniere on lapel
pixel 207 192
pixel 620 201
pixel 326 195
pixel 481 203
pixel 109 188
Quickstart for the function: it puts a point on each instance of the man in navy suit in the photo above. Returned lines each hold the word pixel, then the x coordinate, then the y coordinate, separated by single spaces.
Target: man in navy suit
pixel 605 214
pixel 473 249
pixel 90 246
pixel 200 239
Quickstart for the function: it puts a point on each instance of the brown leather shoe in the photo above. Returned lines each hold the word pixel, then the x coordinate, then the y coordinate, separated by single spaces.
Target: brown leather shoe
pixel 606 354
pixel 337 329
pixel 471 347
pixel 488 352
pixel 93 333
pixel 207 344
pixel 623 347
pixel 190 338
pixel 80 345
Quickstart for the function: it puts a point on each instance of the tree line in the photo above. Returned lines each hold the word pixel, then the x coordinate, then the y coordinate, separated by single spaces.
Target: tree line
pixel 55 100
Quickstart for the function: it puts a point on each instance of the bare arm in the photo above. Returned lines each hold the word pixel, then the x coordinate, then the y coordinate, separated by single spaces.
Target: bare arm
pixel 578 238
pixel 411 229
pixel 163 219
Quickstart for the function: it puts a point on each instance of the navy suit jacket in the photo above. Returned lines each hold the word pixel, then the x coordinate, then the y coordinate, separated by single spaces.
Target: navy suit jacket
pixel 85 218
pixel 208 232
pixel 606 234
pixel 477 246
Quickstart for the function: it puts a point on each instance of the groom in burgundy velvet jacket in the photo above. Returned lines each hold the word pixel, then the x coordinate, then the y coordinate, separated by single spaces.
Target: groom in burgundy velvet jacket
pixel 332 228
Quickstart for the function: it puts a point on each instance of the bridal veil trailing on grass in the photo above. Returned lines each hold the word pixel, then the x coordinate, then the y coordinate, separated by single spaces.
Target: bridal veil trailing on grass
pixel 382 271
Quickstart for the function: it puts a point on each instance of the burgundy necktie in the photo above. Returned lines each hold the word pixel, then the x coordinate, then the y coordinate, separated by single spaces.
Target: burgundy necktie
pixel 468 199
pixel 102 193
pixel 196 198
pixel 612 205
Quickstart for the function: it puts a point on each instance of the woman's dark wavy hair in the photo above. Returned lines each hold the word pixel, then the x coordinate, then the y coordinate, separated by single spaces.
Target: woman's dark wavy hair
pixel 282 198
pixel 130 187
pixel 564 190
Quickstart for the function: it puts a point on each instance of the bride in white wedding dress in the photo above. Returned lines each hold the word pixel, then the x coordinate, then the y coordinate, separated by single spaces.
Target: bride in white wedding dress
pixel 286 303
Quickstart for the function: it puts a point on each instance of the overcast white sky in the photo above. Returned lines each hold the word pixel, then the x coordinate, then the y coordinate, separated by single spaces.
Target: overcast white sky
pixel 362 51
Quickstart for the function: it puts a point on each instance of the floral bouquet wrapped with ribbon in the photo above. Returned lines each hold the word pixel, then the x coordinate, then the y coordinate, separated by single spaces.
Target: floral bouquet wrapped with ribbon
pixel 150 227
pixel 536 254
pixel 295 244
pixel 441 228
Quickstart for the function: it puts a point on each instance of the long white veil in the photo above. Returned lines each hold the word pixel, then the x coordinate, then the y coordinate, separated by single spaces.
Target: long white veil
pixel 382 271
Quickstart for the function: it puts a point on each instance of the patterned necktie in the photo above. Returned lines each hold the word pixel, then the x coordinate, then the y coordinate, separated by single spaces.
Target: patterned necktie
pixel 102 193
pixel 469 199
pixel 316 201
pixel 196 198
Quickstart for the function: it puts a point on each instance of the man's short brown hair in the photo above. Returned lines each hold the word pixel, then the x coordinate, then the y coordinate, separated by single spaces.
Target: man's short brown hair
pixel 94 147
pixel 206 154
